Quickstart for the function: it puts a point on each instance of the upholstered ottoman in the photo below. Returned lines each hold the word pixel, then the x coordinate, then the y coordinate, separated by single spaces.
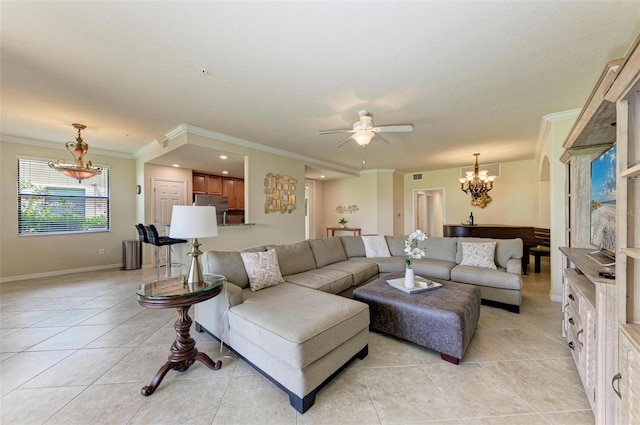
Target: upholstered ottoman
pixel 441 319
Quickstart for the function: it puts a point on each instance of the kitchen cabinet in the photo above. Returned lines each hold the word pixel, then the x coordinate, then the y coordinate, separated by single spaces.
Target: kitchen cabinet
pixel 214 185
pixel 199 183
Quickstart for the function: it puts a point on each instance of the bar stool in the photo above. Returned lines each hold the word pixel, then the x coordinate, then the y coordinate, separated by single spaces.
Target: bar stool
pixel 160 241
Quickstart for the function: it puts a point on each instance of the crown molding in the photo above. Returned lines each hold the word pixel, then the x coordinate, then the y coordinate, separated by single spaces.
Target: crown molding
pixel 545 127
pixel 199 131
pixel 60 146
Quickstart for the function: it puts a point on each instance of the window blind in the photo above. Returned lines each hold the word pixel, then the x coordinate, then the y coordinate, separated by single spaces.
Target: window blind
pixel 50 202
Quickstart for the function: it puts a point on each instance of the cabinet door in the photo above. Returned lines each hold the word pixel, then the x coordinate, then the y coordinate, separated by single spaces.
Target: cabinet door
pixel 199 183
pixel 229 190
pixel 214 185
pixel 629 403
pixel 240 194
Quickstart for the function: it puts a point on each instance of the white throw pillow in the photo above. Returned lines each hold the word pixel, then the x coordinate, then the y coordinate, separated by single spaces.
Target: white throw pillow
pixel 478 254
pixel 262 269
pixel 375 246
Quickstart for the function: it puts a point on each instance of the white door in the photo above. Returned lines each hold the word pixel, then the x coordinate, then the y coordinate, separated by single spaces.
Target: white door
pixel 166 194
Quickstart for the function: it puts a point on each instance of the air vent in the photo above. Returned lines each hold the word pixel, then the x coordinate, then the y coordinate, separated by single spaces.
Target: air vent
pixel 417 176
pixel 165 143
pixel 493 169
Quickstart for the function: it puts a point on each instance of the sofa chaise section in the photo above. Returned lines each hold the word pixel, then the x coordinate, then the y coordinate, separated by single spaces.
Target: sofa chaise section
pixel 297 337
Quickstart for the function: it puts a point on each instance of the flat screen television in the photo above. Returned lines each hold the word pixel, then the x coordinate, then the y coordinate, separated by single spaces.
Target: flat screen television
pixel 603 207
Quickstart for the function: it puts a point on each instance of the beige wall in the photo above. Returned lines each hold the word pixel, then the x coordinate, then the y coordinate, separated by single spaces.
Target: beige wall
pixel 514 196
pixel 273 228
pixel 375 194
pixel 32 256
pixel 556 132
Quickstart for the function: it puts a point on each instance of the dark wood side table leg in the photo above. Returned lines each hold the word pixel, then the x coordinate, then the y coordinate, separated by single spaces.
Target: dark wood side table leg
pixel 183 353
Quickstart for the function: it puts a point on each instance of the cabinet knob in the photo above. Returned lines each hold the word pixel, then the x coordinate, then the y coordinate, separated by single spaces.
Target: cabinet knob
pixel 578 337
pixel 571 345
pixel 571 297
pixel 571 320
pixel 617 377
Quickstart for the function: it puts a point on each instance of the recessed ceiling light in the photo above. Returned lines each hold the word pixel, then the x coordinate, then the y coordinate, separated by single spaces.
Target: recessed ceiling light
pixel 321 177
pixel 224 157
pixel 175 165
pixel 225 172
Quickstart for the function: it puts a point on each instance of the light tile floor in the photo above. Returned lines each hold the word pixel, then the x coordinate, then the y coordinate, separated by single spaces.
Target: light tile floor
pixel 76 349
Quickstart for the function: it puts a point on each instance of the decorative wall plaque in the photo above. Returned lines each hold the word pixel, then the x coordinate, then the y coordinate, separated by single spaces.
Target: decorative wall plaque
pixel 280 193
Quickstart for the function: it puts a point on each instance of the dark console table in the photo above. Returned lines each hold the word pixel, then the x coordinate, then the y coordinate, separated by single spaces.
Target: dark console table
pixel 496 231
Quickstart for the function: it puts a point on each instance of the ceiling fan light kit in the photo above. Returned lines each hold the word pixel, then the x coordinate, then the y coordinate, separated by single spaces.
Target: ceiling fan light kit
pixel 363 131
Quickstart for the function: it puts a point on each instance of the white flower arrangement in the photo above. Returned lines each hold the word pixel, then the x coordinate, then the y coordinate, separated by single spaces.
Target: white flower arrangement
pixel 413 253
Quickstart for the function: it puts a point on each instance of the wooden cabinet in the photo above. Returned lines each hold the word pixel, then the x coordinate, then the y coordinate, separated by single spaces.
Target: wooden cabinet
pixel 199 183
pixel 588 320
pixel 615 99
pixel 579 322
pixel 625 92
pixel 229 190
pixel 240 194
pixel 217 185
pixel 214 185
pixel 234 190
pixel 627 382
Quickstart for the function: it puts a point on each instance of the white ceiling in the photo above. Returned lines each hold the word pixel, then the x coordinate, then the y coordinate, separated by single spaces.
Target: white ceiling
pixel 471 76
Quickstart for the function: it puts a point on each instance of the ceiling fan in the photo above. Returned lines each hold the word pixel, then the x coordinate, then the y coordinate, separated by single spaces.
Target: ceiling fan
pixel 363 131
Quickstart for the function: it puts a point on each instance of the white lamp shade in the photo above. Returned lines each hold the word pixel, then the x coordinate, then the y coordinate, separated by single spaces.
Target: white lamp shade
pixel 363 137
pixel 193 222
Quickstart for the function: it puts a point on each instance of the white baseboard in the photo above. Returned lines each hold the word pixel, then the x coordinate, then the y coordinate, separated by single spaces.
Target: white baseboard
pixel 556 298
pixel 58 273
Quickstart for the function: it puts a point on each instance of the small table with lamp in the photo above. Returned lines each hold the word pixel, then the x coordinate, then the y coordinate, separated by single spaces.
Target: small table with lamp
pixel 176 293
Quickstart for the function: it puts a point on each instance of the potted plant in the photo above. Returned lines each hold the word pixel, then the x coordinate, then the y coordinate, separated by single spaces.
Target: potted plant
pixel 342 222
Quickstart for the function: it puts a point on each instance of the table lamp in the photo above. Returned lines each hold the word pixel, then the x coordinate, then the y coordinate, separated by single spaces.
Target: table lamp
pixel 193 222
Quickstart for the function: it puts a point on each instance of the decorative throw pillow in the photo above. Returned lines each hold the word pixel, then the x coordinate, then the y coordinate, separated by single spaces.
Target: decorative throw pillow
pixel 262 269
pixel 375 246
pixel 478 254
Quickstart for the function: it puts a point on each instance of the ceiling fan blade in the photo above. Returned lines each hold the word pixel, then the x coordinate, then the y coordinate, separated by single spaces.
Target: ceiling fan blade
pixel 380 141
pixel 343 142
pixel 393 128
pixel 346 130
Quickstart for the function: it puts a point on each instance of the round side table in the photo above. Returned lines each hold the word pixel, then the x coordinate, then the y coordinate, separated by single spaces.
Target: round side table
pixel 174 293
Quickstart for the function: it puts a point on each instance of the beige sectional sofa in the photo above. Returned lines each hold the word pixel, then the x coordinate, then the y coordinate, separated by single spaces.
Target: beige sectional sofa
pixel 298 333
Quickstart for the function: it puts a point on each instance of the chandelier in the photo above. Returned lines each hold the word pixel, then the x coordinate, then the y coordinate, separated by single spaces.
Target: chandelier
pixel 78 150
pixel 477 184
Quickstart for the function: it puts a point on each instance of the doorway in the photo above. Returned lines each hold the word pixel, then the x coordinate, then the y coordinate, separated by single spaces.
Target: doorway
pixel 428 211
pixel 309 216
pixel 165 194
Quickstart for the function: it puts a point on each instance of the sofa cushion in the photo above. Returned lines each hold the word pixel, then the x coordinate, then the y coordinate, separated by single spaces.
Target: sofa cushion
pixel 327 251
pixel 438 269
pixel 323 279
pixel 505 249
pixel 227 263
pixel 295 258
pixel 271 319
pixel 478 254
pixel 440 248
pixel 262 269
pixel 360 270
pixel 396 245
pixel 375 246
pixel 353 246
pixel 385 264
pixel 487 277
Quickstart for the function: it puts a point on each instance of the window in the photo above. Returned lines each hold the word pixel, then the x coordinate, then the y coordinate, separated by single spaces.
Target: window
pixel 50 202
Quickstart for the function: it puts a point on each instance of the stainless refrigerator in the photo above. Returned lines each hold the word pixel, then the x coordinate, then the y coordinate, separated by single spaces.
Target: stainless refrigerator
pixel 220 202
